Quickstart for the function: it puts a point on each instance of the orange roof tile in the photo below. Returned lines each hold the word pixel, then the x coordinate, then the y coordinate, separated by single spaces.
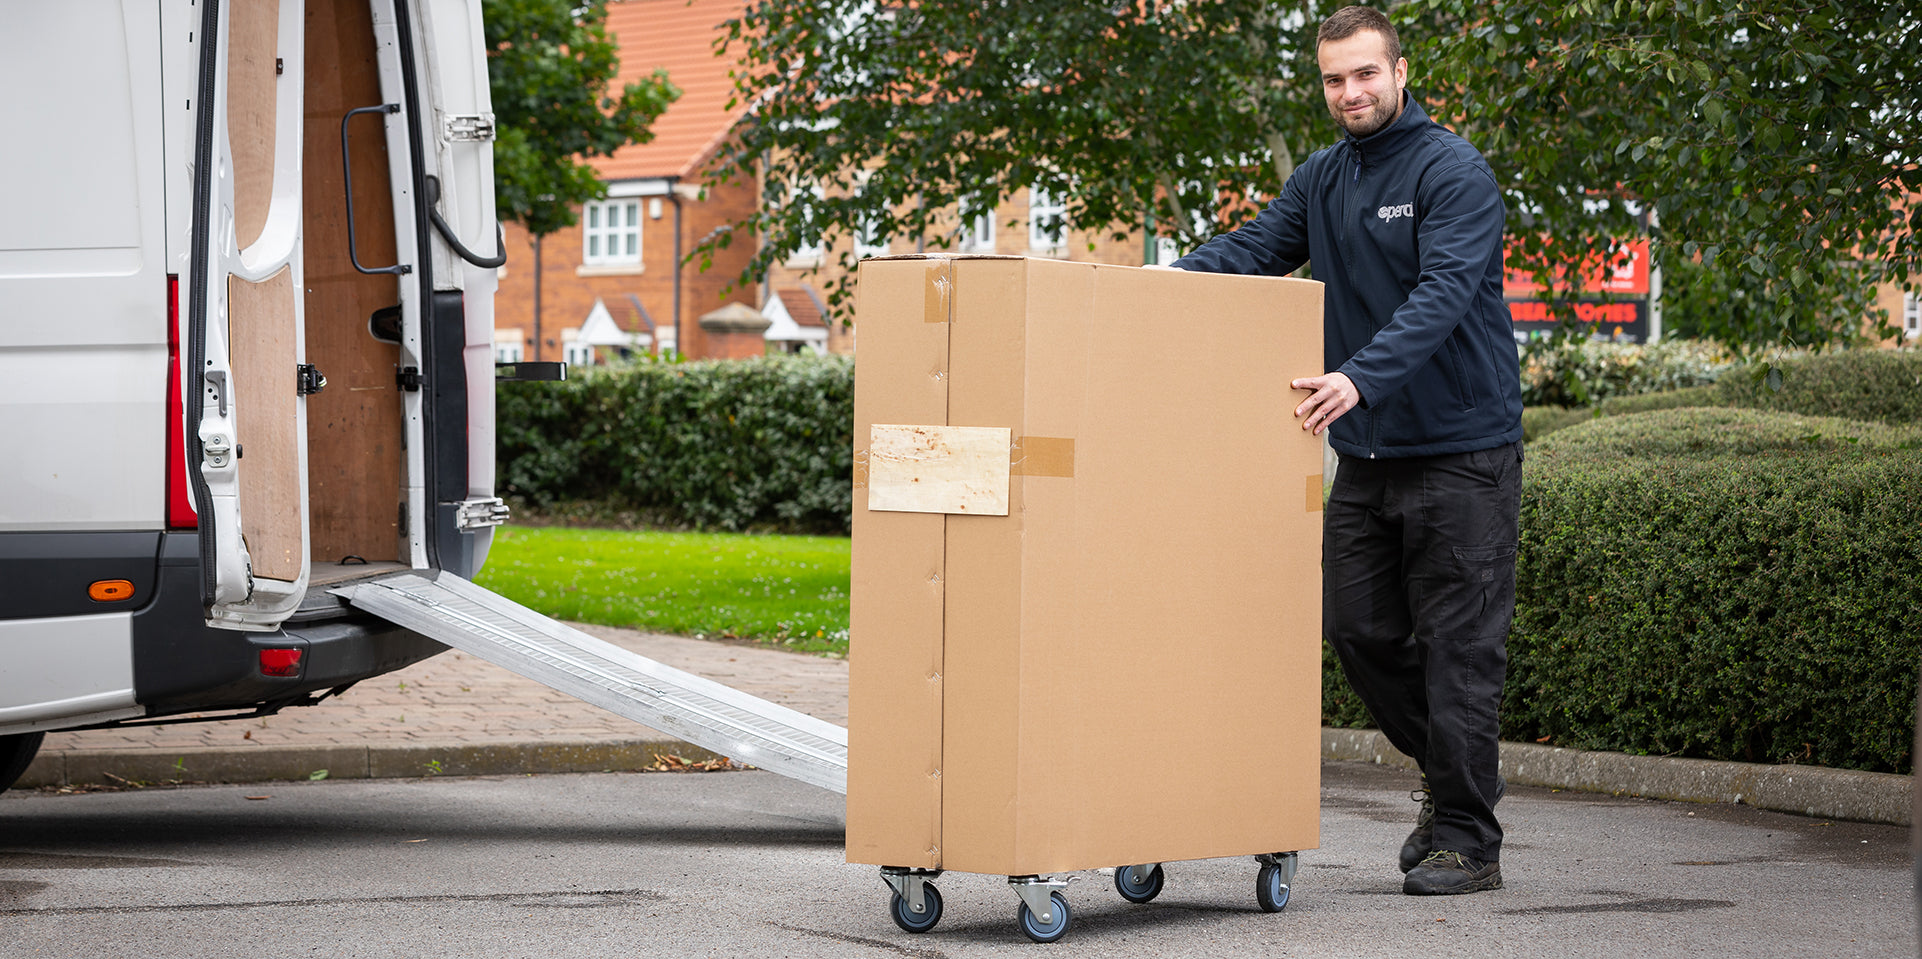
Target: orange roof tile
pixel 803 306
pixel 677 35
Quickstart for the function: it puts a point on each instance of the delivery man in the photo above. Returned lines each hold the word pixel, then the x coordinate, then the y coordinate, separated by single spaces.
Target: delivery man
pixel 1402 220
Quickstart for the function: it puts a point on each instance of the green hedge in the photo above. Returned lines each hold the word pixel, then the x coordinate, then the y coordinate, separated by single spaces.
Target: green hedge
pixel 764 443
pixel 1716 583
pixel 1580 373
pixel 1726 584
pixel 1539 421
pixel 1868 384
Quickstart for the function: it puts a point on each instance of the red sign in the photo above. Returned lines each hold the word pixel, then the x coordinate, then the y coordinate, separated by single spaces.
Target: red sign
pixel 1624 271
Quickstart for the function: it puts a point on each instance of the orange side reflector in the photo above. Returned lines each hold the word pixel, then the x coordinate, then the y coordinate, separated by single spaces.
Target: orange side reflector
pixel 110 590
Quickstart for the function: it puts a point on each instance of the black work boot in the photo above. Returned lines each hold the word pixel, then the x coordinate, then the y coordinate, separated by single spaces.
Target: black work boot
pixel 1446 873
pixel 1422 841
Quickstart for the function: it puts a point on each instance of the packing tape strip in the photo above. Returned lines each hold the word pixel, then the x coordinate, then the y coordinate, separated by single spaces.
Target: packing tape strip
pixel 1042 456
pixel 1314 492
pixel 938 305
pixel 1036 456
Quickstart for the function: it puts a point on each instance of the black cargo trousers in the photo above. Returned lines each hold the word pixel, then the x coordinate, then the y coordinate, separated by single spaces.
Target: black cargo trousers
pixel 1418 591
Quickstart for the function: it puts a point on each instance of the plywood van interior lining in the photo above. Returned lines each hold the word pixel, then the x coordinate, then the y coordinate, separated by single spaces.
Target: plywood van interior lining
pixel 253 36
pixel 260 319
pixel 355 454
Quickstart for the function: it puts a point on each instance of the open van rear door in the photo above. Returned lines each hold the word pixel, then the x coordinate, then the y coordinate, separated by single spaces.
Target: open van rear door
pixel 244 311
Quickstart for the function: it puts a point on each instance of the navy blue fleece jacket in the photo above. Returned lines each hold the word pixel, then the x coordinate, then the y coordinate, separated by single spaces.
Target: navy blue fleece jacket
pixel 1405 228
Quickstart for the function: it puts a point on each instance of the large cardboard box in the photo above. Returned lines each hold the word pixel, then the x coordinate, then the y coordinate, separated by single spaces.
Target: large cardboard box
pixel 1086 566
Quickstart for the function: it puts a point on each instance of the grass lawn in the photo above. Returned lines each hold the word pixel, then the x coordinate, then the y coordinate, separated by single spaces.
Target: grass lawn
pixel 782 590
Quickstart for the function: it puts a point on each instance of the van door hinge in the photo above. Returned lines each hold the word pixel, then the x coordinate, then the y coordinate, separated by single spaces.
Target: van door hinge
pixel 408 379
pixel 481 513
pixel 309 380
pixel 469 127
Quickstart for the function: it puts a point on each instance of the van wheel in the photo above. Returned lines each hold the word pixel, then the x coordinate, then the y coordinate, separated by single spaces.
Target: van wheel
pixel 15 753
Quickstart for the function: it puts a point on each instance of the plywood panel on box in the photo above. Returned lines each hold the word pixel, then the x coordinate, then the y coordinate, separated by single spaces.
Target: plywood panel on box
pixel 253 38
pixel 260 322
pixel 939 469
pixel 354 427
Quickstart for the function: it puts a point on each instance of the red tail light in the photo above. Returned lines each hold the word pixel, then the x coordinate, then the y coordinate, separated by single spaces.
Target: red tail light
pixel 280 662
pixel 180 497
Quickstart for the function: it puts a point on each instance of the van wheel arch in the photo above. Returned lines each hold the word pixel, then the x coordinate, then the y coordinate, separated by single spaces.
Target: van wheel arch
pixel 16 753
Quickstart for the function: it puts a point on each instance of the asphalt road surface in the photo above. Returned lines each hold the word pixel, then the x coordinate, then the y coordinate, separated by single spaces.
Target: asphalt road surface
pixel 746 864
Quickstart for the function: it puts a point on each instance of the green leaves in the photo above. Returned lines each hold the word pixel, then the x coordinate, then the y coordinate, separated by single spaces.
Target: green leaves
pixel 1182 116
pixel 549 65
pixel 1702 108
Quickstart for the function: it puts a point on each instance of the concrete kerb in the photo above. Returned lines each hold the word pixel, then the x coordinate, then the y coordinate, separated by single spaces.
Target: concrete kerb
pixel 1804 790
pixel 238 764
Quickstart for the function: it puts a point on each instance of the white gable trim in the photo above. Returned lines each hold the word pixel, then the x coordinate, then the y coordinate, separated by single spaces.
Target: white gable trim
pixel 782 328
pixel 599 329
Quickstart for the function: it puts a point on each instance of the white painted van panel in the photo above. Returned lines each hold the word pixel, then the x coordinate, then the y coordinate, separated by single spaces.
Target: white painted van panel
pixel 82 431
pixel 65 666
pixel 454 43
pixel 83 287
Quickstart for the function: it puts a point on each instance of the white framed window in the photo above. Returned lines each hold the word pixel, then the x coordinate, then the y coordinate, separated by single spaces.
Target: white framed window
pixel 812 252
pixel 869 242
pixel 1166 251
pixel 611 232
pixel 977 228
pixel 1047 230
pixel 578 353
pixel 509 346
pixel 1911 316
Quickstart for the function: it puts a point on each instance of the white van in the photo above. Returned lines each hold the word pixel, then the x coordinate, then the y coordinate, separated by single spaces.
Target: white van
pixel 247 265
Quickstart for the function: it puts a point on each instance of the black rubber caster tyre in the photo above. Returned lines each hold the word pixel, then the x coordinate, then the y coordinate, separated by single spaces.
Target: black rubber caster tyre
pixel 909 920
pixel 1033 928
pixel 1271 894
pixel 1143 891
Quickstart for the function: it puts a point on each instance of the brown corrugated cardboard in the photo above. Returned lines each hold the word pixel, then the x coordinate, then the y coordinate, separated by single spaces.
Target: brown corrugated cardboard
pixel 1126 667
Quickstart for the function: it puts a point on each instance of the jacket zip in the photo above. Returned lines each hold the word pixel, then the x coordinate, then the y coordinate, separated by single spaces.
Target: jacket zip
pixel 1348 213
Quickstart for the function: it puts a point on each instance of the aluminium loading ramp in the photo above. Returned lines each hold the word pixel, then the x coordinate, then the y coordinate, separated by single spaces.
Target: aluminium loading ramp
pixel 450 609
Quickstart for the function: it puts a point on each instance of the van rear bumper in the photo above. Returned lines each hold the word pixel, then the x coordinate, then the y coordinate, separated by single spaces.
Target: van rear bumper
pixel 180 664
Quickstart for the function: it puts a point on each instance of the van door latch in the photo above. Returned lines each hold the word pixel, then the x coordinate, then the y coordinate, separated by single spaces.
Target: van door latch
pixel 469 127
pixel 407 378
pixel 215 452
pixel 309 380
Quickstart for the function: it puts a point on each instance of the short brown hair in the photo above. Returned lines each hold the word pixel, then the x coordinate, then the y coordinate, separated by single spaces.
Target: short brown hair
pixel 1348 21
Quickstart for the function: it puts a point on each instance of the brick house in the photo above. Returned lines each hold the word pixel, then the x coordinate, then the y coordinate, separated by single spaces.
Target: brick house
pixel 614 283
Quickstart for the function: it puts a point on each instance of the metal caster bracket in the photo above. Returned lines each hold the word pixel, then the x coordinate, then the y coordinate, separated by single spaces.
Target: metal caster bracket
pixel 910 885
pixel 1289 863
pixel 1036 893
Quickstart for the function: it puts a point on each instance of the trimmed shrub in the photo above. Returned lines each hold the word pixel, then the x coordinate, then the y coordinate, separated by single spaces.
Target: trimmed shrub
pixel 1717 583
pixel 1725 584
pixel 764 443
pixel 1539 421
pixel 1882 385
pixel 1581 373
